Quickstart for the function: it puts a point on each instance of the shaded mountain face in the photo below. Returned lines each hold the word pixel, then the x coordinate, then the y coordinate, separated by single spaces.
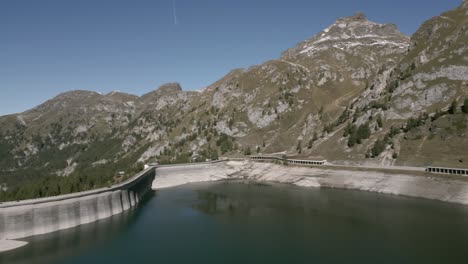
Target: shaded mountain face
pixel 354 86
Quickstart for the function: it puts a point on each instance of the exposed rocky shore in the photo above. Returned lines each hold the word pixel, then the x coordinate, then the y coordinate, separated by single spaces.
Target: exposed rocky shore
pixel 412 184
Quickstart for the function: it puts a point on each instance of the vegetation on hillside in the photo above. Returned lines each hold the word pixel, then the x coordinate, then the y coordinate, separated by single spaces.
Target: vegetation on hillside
pixel 357 134
pixel 465 106
pixel 378 99
pixel 87 179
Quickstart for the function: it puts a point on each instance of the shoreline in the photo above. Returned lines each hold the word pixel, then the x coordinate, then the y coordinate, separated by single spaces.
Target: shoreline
pixel 416 184
pixel 7 245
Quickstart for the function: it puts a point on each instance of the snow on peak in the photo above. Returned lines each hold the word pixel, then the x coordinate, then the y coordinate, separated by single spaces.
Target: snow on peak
pixel 350 32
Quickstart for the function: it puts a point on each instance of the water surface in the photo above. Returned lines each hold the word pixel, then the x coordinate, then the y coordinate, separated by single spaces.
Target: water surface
pixel 246 222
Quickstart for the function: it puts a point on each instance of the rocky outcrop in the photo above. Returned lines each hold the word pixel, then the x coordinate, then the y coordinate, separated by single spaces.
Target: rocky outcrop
pixel 349 52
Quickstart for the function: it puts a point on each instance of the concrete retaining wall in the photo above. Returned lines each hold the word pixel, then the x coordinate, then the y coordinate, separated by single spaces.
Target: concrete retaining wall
pixel 39 216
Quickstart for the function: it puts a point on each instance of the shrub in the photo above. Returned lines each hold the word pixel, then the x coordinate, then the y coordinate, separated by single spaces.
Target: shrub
pixel 465 106
pixel 453 108
pixel 350 129
pixel 377 105
pixel 299 147
pixel 311 142
pixel 247 151
pixel 378 148
pixel 352 140
pixel 356 135
pixel 343 117
pixel 415 122
pixel 327 128
pixel 225 143
pixel 363 131
pixel 393 132
pixel 315 137
pixel 379 121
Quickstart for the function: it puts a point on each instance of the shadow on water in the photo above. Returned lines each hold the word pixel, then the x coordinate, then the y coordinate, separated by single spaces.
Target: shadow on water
pixel 214 202
pixel 69 243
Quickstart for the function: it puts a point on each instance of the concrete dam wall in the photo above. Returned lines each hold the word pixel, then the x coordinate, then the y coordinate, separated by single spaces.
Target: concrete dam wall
pixel 39 216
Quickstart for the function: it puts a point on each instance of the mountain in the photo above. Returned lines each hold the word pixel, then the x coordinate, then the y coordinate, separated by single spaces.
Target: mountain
pixel 413 97
pixel 349 53
pixel 356 92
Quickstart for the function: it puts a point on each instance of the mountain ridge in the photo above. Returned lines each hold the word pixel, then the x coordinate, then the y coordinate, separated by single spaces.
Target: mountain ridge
pixel 356 92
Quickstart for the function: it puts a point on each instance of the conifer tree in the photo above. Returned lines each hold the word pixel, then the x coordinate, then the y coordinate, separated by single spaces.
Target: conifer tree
pixel 465 106
pixel 453 108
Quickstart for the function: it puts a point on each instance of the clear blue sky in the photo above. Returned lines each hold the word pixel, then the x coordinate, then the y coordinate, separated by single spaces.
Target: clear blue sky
pixel 51 46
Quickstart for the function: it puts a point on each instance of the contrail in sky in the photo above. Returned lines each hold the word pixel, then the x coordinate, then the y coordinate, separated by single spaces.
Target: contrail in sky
pixel 174 12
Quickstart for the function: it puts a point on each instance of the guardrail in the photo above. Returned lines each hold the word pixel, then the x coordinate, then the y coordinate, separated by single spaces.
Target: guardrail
pixel 189 164
pixel 439 170
pixel 291 161
pixel 453 171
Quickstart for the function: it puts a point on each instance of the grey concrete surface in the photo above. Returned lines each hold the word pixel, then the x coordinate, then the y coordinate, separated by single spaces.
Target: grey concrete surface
pixel 39 216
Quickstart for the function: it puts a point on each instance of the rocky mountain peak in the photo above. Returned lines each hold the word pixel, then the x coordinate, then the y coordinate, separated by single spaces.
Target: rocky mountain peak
pixel 63 100
pixel 464 4
pixel 77 94
pixel 357 17
pixel 350 33
pixel 166 94
pixel 169 88
pixel 165 89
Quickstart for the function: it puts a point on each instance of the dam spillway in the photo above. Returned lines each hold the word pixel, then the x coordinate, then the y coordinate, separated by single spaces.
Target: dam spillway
pixel 45 215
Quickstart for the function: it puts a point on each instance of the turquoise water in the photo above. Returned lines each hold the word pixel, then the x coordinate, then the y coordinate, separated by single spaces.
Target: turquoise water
pixel 245 222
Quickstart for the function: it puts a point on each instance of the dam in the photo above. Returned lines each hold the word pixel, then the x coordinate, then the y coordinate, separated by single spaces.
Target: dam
pixel 242 221
pixel 45 215
pixel 28 218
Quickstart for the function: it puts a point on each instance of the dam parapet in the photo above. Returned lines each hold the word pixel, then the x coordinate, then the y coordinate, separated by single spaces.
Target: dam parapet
pixel 45 215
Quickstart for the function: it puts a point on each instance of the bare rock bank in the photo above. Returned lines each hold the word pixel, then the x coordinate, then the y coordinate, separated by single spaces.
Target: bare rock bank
pixel 395 183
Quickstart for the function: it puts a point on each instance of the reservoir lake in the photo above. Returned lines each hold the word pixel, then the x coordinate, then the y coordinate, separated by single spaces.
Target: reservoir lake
pixel 250 222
